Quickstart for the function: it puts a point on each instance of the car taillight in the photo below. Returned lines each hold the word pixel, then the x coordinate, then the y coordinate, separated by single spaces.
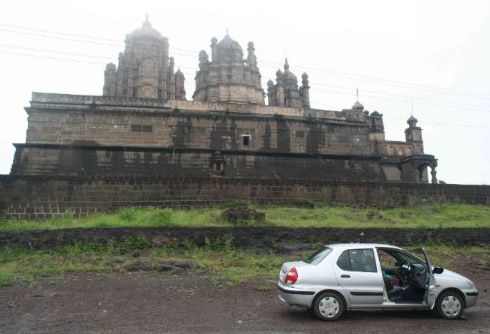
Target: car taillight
pixel 291 276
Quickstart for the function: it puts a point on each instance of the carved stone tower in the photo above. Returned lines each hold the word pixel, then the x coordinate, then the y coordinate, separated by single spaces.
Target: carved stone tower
pixel 413 134
pixel 228 77
pixel 286 93
pixel 145 69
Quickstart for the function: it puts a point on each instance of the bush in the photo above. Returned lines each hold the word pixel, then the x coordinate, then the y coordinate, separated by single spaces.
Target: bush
pixel 375 215
pixel 242 215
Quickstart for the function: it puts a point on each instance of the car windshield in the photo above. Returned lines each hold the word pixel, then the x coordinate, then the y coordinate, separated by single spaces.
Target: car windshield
pixel 319 255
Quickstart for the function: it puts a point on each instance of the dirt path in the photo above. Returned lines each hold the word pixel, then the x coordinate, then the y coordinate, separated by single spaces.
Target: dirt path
pixel 183 303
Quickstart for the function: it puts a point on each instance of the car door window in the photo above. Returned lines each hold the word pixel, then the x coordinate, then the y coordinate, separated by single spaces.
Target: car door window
pixel 387 260
pixel 357 260
pixel 344 261
pixel 391 258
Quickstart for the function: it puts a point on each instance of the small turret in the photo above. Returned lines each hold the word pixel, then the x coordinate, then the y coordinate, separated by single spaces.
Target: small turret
pixel 251 58
pixel 304 91
pixel 412 122
pixel 214 45
pixel 286 91
pixel 179 85
pixel 413 134
pixel 110 81
pixel 203 60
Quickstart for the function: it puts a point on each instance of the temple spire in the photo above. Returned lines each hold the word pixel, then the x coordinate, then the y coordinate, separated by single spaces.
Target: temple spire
pixel 147 21
pixel 357 105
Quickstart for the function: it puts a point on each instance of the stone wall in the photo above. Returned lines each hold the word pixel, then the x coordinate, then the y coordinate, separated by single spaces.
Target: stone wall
pixel 171 129
pixel 93 135
pixel 36 197
pixel 45 159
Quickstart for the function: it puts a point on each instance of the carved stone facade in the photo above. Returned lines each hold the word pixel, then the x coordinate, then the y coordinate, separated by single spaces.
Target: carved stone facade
pixel 286 93
pixel 145 69
pixel 143 126
pixel 228 77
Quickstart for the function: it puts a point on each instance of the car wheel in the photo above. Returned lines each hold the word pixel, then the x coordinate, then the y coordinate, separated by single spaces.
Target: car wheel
pixel 328 306
pixel 449 305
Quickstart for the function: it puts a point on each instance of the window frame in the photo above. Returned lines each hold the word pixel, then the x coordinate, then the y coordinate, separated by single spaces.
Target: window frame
pixel 350 262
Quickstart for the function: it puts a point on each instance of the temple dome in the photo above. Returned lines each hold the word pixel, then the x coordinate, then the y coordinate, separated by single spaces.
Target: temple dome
pixel 287 75
pixel 412 121
pixel 358 106
pixel 145 31
pixel 228 50
pixel 228 43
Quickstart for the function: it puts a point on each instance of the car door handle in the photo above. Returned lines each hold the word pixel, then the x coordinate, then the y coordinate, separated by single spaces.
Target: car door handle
pixel 344 276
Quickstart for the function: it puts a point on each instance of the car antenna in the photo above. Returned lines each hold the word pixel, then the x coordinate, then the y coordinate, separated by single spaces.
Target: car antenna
pixel 360 237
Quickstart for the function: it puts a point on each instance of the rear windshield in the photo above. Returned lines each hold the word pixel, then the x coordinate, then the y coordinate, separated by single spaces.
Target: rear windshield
pixel 319 255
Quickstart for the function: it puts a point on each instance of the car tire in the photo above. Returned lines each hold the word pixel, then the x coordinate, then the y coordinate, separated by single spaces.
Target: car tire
pixel 328 306
pixel 449 305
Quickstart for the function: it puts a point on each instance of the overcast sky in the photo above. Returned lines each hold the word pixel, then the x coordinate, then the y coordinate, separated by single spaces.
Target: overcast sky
pixel 434 53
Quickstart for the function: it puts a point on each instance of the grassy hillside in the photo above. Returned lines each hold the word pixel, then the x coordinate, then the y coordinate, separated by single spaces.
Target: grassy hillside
pixel 425 216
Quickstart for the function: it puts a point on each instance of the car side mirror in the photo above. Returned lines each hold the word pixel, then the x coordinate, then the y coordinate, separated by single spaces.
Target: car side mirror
pixel 437 270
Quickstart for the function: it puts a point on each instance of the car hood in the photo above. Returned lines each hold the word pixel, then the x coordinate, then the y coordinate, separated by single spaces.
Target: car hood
pixel 450 274
pixel 454 278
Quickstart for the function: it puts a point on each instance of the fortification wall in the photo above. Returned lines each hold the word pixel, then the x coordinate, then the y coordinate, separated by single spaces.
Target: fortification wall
pixel 35 197
pixel 42 159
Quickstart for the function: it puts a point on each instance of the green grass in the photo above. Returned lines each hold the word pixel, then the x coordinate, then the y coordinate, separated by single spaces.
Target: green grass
pixel 422 216
pixel 217 260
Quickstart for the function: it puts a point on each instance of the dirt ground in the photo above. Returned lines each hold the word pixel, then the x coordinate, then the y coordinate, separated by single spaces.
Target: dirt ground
pixel 187 303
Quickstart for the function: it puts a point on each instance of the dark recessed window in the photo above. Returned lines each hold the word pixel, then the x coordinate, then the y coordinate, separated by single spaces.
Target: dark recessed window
pixel 141 128
pixel 246 140
pixel 300 134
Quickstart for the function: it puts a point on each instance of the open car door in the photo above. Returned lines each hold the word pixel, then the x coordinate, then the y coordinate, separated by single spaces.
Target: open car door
pixel 430 296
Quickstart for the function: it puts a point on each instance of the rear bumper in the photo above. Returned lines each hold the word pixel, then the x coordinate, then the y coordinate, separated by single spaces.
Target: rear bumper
pixel 471 296
pixel 294 296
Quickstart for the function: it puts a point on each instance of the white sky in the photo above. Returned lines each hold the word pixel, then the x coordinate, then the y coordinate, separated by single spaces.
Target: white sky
pixel 434 52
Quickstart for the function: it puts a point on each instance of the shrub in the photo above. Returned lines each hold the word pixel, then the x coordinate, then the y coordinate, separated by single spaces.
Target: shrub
pixel 242 215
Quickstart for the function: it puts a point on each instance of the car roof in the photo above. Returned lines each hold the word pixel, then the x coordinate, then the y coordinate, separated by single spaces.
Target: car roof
pixel 356 245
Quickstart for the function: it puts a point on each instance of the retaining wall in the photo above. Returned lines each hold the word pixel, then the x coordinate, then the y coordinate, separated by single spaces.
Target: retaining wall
pixel 40 197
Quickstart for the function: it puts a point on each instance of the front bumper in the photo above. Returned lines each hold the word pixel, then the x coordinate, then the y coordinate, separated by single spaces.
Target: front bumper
pixel 471 296
pixel 295 296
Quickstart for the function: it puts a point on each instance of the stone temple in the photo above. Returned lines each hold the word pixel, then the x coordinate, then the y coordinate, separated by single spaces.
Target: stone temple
pixel 143 125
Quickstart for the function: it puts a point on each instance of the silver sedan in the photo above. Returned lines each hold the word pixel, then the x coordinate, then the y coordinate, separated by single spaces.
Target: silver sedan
pixel 359 276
